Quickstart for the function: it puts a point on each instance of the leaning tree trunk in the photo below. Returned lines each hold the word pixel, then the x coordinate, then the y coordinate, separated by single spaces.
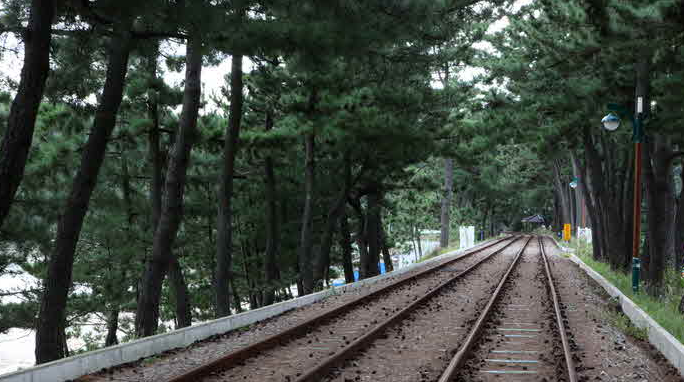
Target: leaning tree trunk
pixel 224 235
pixel 16 141
pixel 147 313
pixel 447 195
pixel 272 226
pixel 306 240
pixel 58 280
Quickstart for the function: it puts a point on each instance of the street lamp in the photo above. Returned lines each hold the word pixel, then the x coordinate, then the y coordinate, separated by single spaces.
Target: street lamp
pixel 574 183
pixel 611 122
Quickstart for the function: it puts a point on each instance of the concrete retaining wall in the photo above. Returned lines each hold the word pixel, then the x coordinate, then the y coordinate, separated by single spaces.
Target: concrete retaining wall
pixel 669 346
pixel 87 363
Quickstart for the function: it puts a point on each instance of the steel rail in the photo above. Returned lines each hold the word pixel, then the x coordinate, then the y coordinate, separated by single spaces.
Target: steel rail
pixel 461 356
pixel 570 366
pixel 319 371
pixel 239 355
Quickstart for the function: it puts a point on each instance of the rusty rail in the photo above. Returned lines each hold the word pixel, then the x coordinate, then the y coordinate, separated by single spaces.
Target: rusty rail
pixel 570 366
pixel 461 356
pixel 242 354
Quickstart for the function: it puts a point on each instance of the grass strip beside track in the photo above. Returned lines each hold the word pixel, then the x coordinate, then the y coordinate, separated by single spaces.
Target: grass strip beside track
pixel 663 311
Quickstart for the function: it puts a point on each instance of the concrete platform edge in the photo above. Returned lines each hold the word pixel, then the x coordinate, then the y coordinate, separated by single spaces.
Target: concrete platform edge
pixel 660 338
pixel 79 365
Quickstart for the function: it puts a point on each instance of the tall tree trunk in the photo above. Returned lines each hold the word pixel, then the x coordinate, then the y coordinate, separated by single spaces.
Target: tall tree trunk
pixel 306 239
pixel 447 195
pixel 179 290
pixel 418 241
pixel 361 240
pixel 594 187
pixel 58 280
pixel 237 302
pixel 660 201
pixel 147 313
pixel 224 238
pixel 112 327
pixel 154 150
pixel 18 136
pixel 345 243
pixel 563 193
pixel 272 226
pixel 373 232
pixel 679 227
pixel 322 263
pixel 386 257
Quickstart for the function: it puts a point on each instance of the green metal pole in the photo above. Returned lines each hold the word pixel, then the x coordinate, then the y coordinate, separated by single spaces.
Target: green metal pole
pixel 636 234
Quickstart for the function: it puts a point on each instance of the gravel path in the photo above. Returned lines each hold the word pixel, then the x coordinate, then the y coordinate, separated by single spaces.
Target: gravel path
pixel 601 351
pixel 175 362
pixel 420 346
pixel 520 341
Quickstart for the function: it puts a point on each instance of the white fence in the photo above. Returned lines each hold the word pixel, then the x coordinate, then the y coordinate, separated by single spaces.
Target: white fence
pixel 466 236
pixel 584 234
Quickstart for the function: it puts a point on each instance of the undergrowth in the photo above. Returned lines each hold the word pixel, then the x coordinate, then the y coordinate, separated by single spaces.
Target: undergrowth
pixel 663 309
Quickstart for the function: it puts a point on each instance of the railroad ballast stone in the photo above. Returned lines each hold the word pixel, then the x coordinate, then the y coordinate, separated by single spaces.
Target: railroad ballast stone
pixel 83 364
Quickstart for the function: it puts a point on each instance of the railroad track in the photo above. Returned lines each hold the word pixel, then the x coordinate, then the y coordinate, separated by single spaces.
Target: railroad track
pixel 520 335
pixel 308 351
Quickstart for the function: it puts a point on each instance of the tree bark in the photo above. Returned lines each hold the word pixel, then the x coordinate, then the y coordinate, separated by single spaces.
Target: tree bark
pixel 16 142
pixel 237 302
pixel 147 313
pixel 386 257
pixel 679 228
pixel 58 280
pixel 594 187
pixel 361 240
pixel 345 243
pixel 272 226
pixel 153 141
pixel 306 239
pixel 447 195
pixel 322 263
pixel 660 201
pixel 373 233
pixel 112 327
pixel 224 238
pixel 179 290
pixel 418 241
pixel 563 194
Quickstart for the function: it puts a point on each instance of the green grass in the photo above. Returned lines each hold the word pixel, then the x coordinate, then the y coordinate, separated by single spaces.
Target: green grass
pixel 623 323
pixel 663 310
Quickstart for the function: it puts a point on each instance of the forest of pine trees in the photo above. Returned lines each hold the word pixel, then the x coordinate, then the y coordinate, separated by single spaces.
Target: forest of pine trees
pixel 343 129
